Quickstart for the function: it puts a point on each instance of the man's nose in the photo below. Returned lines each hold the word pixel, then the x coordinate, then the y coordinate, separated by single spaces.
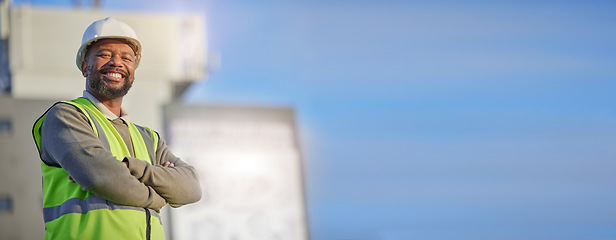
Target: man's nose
pixel 115 60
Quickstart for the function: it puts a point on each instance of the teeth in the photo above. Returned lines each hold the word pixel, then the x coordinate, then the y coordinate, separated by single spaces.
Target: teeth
pixel 114 75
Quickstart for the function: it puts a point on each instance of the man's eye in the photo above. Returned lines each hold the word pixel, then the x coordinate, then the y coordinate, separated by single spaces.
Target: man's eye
pixel 104 55
pixel 127 59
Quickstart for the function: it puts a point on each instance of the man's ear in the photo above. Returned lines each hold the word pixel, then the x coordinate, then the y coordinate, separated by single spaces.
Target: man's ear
pixel 84 68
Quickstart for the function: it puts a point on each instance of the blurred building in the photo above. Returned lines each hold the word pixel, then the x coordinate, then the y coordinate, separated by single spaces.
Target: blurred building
pixel 249 164
pixel 248 158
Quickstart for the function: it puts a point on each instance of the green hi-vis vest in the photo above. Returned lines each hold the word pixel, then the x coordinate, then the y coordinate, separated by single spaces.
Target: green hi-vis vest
pixel 71 213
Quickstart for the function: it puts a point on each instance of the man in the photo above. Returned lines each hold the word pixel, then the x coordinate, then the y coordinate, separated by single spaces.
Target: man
pixel 103 176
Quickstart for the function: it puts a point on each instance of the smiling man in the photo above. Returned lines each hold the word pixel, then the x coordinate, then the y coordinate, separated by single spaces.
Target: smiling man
pixel 105 177
pixel 110 75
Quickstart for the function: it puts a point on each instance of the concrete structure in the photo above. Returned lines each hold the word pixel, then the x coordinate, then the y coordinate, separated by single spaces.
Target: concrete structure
pixel 249 163
pixel 20 175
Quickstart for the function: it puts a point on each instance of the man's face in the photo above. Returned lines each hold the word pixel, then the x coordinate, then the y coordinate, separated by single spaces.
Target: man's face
pixel 109 68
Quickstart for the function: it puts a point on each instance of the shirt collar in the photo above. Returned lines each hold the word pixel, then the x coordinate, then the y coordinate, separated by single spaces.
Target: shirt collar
pixel 101 107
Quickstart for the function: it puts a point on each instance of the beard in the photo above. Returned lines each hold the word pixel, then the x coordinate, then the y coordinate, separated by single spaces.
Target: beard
pixel 95 82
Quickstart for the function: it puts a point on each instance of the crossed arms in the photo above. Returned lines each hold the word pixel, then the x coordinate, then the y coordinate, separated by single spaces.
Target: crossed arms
pixel 68 141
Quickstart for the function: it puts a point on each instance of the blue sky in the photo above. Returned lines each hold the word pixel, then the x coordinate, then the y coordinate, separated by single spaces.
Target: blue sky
pixel 436 120
pixel 431 119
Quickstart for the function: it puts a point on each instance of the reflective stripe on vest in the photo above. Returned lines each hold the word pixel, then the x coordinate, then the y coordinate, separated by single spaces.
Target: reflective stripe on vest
pixel 76 205
pixel 71 213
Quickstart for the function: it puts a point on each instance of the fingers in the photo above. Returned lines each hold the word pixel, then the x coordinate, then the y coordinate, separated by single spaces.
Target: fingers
pixel 168 164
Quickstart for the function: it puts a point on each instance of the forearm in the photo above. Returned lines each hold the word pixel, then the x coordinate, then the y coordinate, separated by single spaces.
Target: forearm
pixel 179 184
pixel 69 142
pixel 113 182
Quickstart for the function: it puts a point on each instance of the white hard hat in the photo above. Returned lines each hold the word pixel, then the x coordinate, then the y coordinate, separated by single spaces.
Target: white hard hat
pixel 108 28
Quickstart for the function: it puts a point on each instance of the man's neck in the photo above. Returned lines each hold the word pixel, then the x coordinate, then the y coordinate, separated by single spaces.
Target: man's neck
pixel 113 104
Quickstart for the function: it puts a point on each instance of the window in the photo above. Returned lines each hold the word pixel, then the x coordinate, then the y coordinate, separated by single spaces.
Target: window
pixel 6 204
pixel 6 126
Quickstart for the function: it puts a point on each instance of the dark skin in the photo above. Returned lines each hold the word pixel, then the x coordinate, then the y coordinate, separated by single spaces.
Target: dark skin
pixel 109 68
pixel 109 65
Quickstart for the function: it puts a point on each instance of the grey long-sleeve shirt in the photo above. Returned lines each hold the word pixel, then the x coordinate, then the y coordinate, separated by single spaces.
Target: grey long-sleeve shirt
pixel 68 141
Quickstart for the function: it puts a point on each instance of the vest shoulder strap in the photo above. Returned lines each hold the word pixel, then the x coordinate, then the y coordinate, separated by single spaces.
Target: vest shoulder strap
pixel 36 129
pixel 149 136
pixel 94 123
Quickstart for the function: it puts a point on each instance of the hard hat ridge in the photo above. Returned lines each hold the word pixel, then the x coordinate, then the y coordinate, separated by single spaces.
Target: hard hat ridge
pixel 108 28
